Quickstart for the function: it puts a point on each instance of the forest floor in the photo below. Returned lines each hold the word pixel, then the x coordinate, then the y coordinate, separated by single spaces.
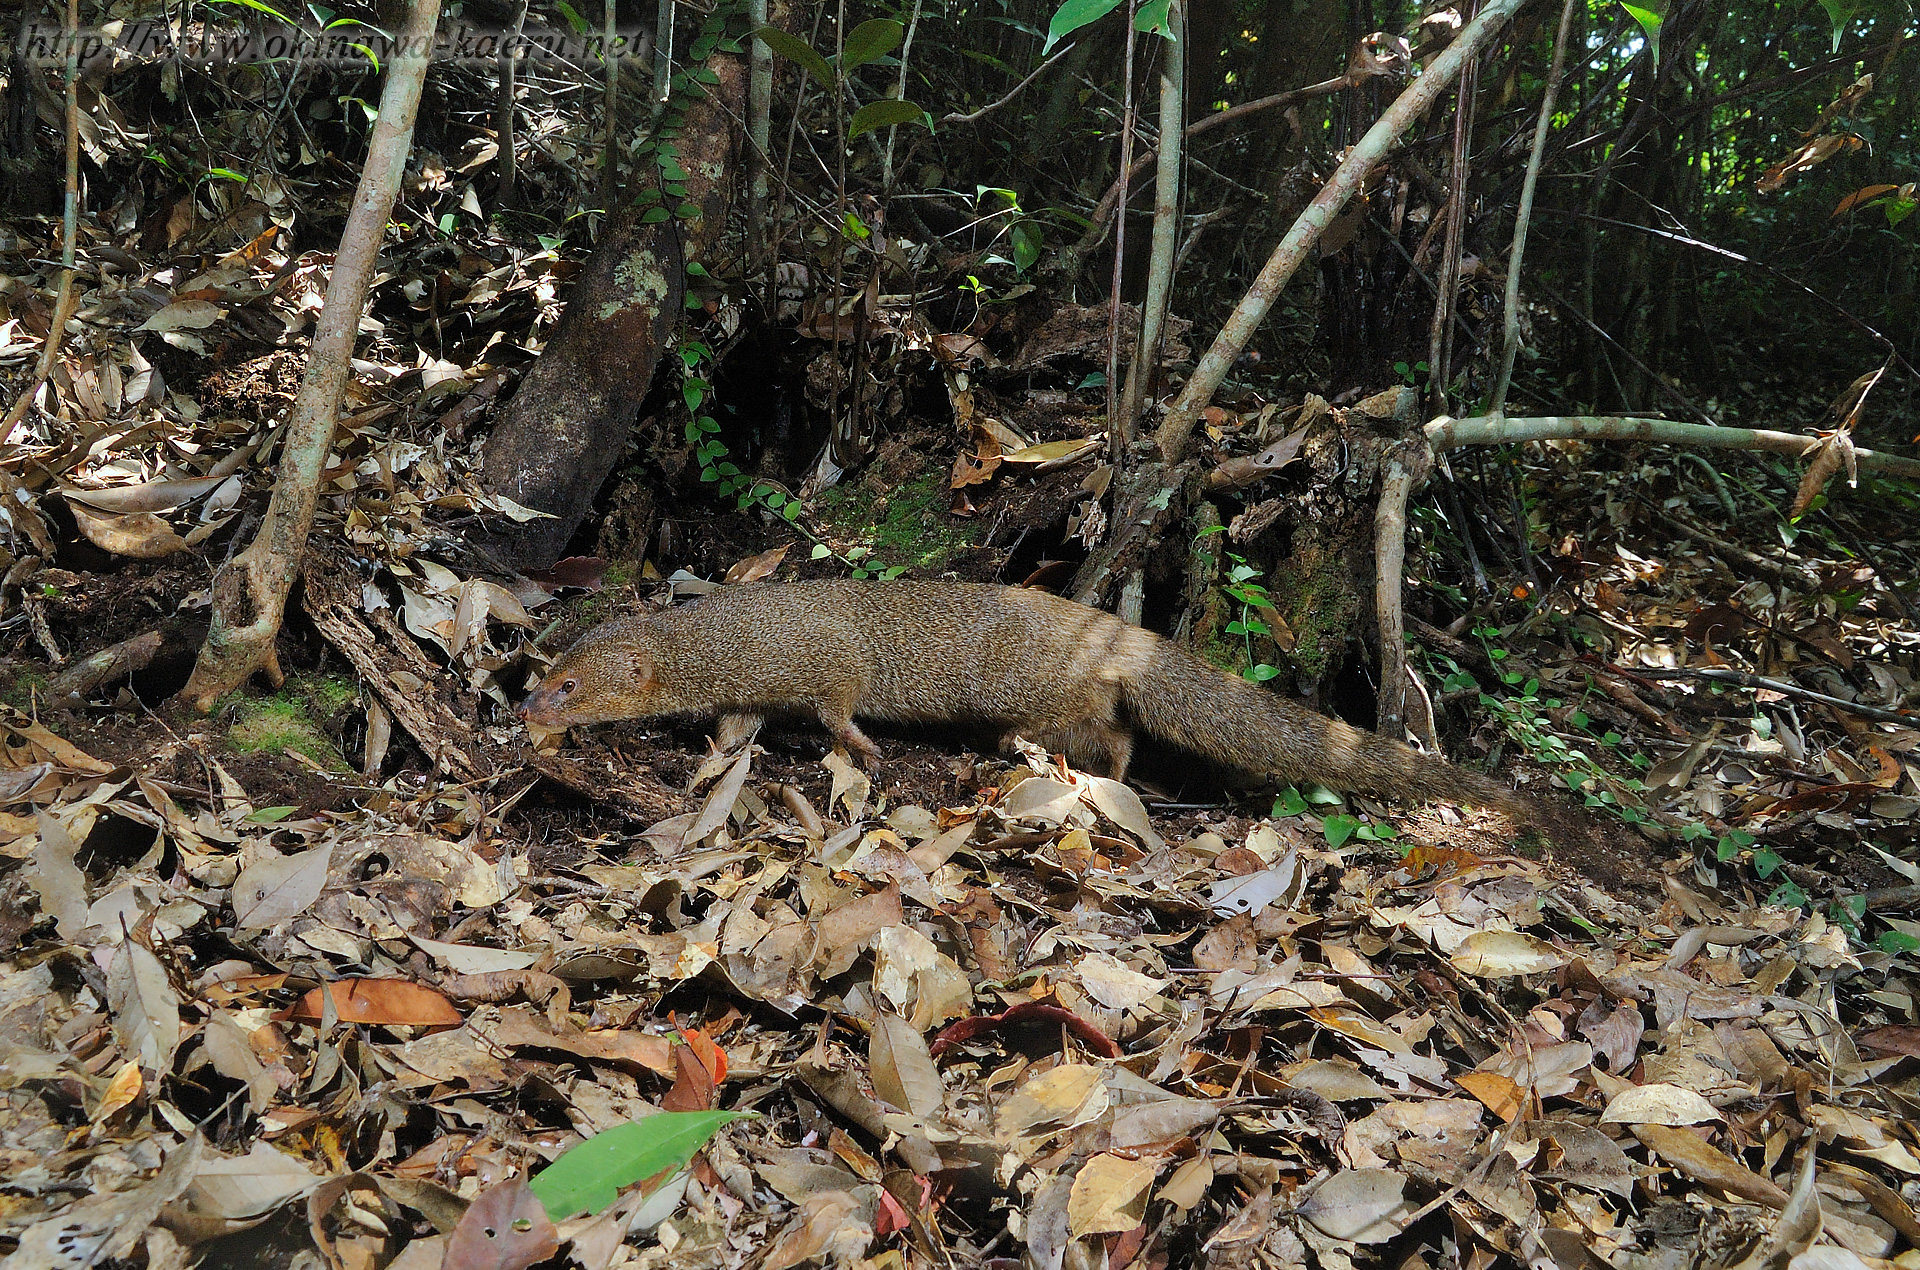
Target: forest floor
pixel 983 1008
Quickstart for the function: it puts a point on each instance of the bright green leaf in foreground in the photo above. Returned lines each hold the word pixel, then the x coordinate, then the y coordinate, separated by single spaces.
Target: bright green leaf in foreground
pixel 871 41
pixel 589 1176
pixel 799 51
pixel 1073 15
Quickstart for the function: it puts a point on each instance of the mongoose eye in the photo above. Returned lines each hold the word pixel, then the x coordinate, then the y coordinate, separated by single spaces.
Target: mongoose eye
pixel 567 686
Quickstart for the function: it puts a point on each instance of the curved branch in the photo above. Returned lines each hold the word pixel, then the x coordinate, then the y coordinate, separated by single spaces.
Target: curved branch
pixel 990 107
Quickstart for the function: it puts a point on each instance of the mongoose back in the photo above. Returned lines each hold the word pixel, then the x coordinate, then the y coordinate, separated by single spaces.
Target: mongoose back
pixel 1027 663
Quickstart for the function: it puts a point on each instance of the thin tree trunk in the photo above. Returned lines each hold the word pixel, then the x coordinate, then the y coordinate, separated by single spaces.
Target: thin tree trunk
pixel 759 137
pixel 250 594
pixel 1510 326
pixel 1166 224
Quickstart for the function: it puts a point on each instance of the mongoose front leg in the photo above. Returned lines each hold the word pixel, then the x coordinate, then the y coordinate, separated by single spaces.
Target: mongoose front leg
pixel 847 734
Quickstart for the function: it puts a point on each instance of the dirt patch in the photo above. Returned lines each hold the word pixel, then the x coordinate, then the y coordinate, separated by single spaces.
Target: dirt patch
pixel 89 610
pixel 259 391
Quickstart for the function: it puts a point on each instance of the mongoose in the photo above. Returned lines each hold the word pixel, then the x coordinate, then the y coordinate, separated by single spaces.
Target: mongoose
pixel 1028 663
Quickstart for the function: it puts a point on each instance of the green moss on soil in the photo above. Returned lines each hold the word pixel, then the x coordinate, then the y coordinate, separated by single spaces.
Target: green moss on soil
pixel 1316 594
pixel 21 687
pixel 287 720
pixel 914 533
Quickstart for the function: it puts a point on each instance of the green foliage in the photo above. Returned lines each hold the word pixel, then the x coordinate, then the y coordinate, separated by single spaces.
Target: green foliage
pixel 799 52
pixel 1338 827
pixel 1523 714
pixel 870 41
pixel 911 534
pixel 702 432
pixel 1650 20
pixel 1341 828
pixel 590 1175
pixel 885 113
pixel 1244 587
pixel 286 721
pixel 1151 18
pixel 1896 942
pixel 865 45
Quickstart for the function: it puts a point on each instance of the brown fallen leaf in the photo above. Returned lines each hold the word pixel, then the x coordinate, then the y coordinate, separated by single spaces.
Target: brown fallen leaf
pixel 383 1002
pixel 1685 1151
pixel 505 1228
pixel 520 1028
pixel 692 1083
pixel 139 536
pixel 1052 1018
pixel 754 568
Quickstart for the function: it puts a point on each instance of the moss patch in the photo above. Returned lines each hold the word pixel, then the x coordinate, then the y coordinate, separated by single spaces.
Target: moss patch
pixel 1318 596
pixel 913 532
pixel 287 720
pixel 21 687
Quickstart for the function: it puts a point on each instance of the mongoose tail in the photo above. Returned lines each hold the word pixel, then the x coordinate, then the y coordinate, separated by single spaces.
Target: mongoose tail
pixel 1181 699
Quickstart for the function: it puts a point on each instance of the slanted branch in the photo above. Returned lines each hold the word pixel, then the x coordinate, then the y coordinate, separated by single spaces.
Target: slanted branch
pixel 250 593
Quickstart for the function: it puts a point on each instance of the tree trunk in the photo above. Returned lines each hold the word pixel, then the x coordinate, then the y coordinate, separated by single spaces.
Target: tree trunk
pixel 560 436
pixel 250 593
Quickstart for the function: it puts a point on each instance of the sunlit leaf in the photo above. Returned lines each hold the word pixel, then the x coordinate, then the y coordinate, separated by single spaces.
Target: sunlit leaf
pixel 870 41
pixel 589 1176
pixel 1073 15
pixel 797 50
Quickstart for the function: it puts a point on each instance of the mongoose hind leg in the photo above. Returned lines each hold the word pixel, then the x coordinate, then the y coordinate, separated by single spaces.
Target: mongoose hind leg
pixel 1095 745
pixel 735 728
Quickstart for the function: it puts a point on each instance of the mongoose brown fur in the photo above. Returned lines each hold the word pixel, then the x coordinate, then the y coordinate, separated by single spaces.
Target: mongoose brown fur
pixel 1028 663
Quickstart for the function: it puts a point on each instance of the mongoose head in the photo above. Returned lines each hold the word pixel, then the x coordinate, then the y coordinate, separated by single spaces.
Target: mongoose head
pixel 598 680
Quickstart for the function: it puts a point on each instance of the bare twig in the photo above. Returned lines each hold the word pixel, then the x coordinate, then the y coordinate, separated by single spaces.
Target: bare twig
pixel 1786 575
pixel 977 115
pixel 1448 434
pixel 1440 337
pixel 1524 215
pixel 1725 253
pixel 1118 435
pixel 1166 226
pixel 1067 263
pixel 507 65
pixel 900 91
pixel 610 104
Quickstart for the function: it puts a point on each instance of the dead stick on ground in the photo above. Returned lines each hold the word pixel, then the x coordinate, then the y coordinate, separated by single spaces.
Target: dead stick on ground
pixel 1741 679
pixel 108 664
